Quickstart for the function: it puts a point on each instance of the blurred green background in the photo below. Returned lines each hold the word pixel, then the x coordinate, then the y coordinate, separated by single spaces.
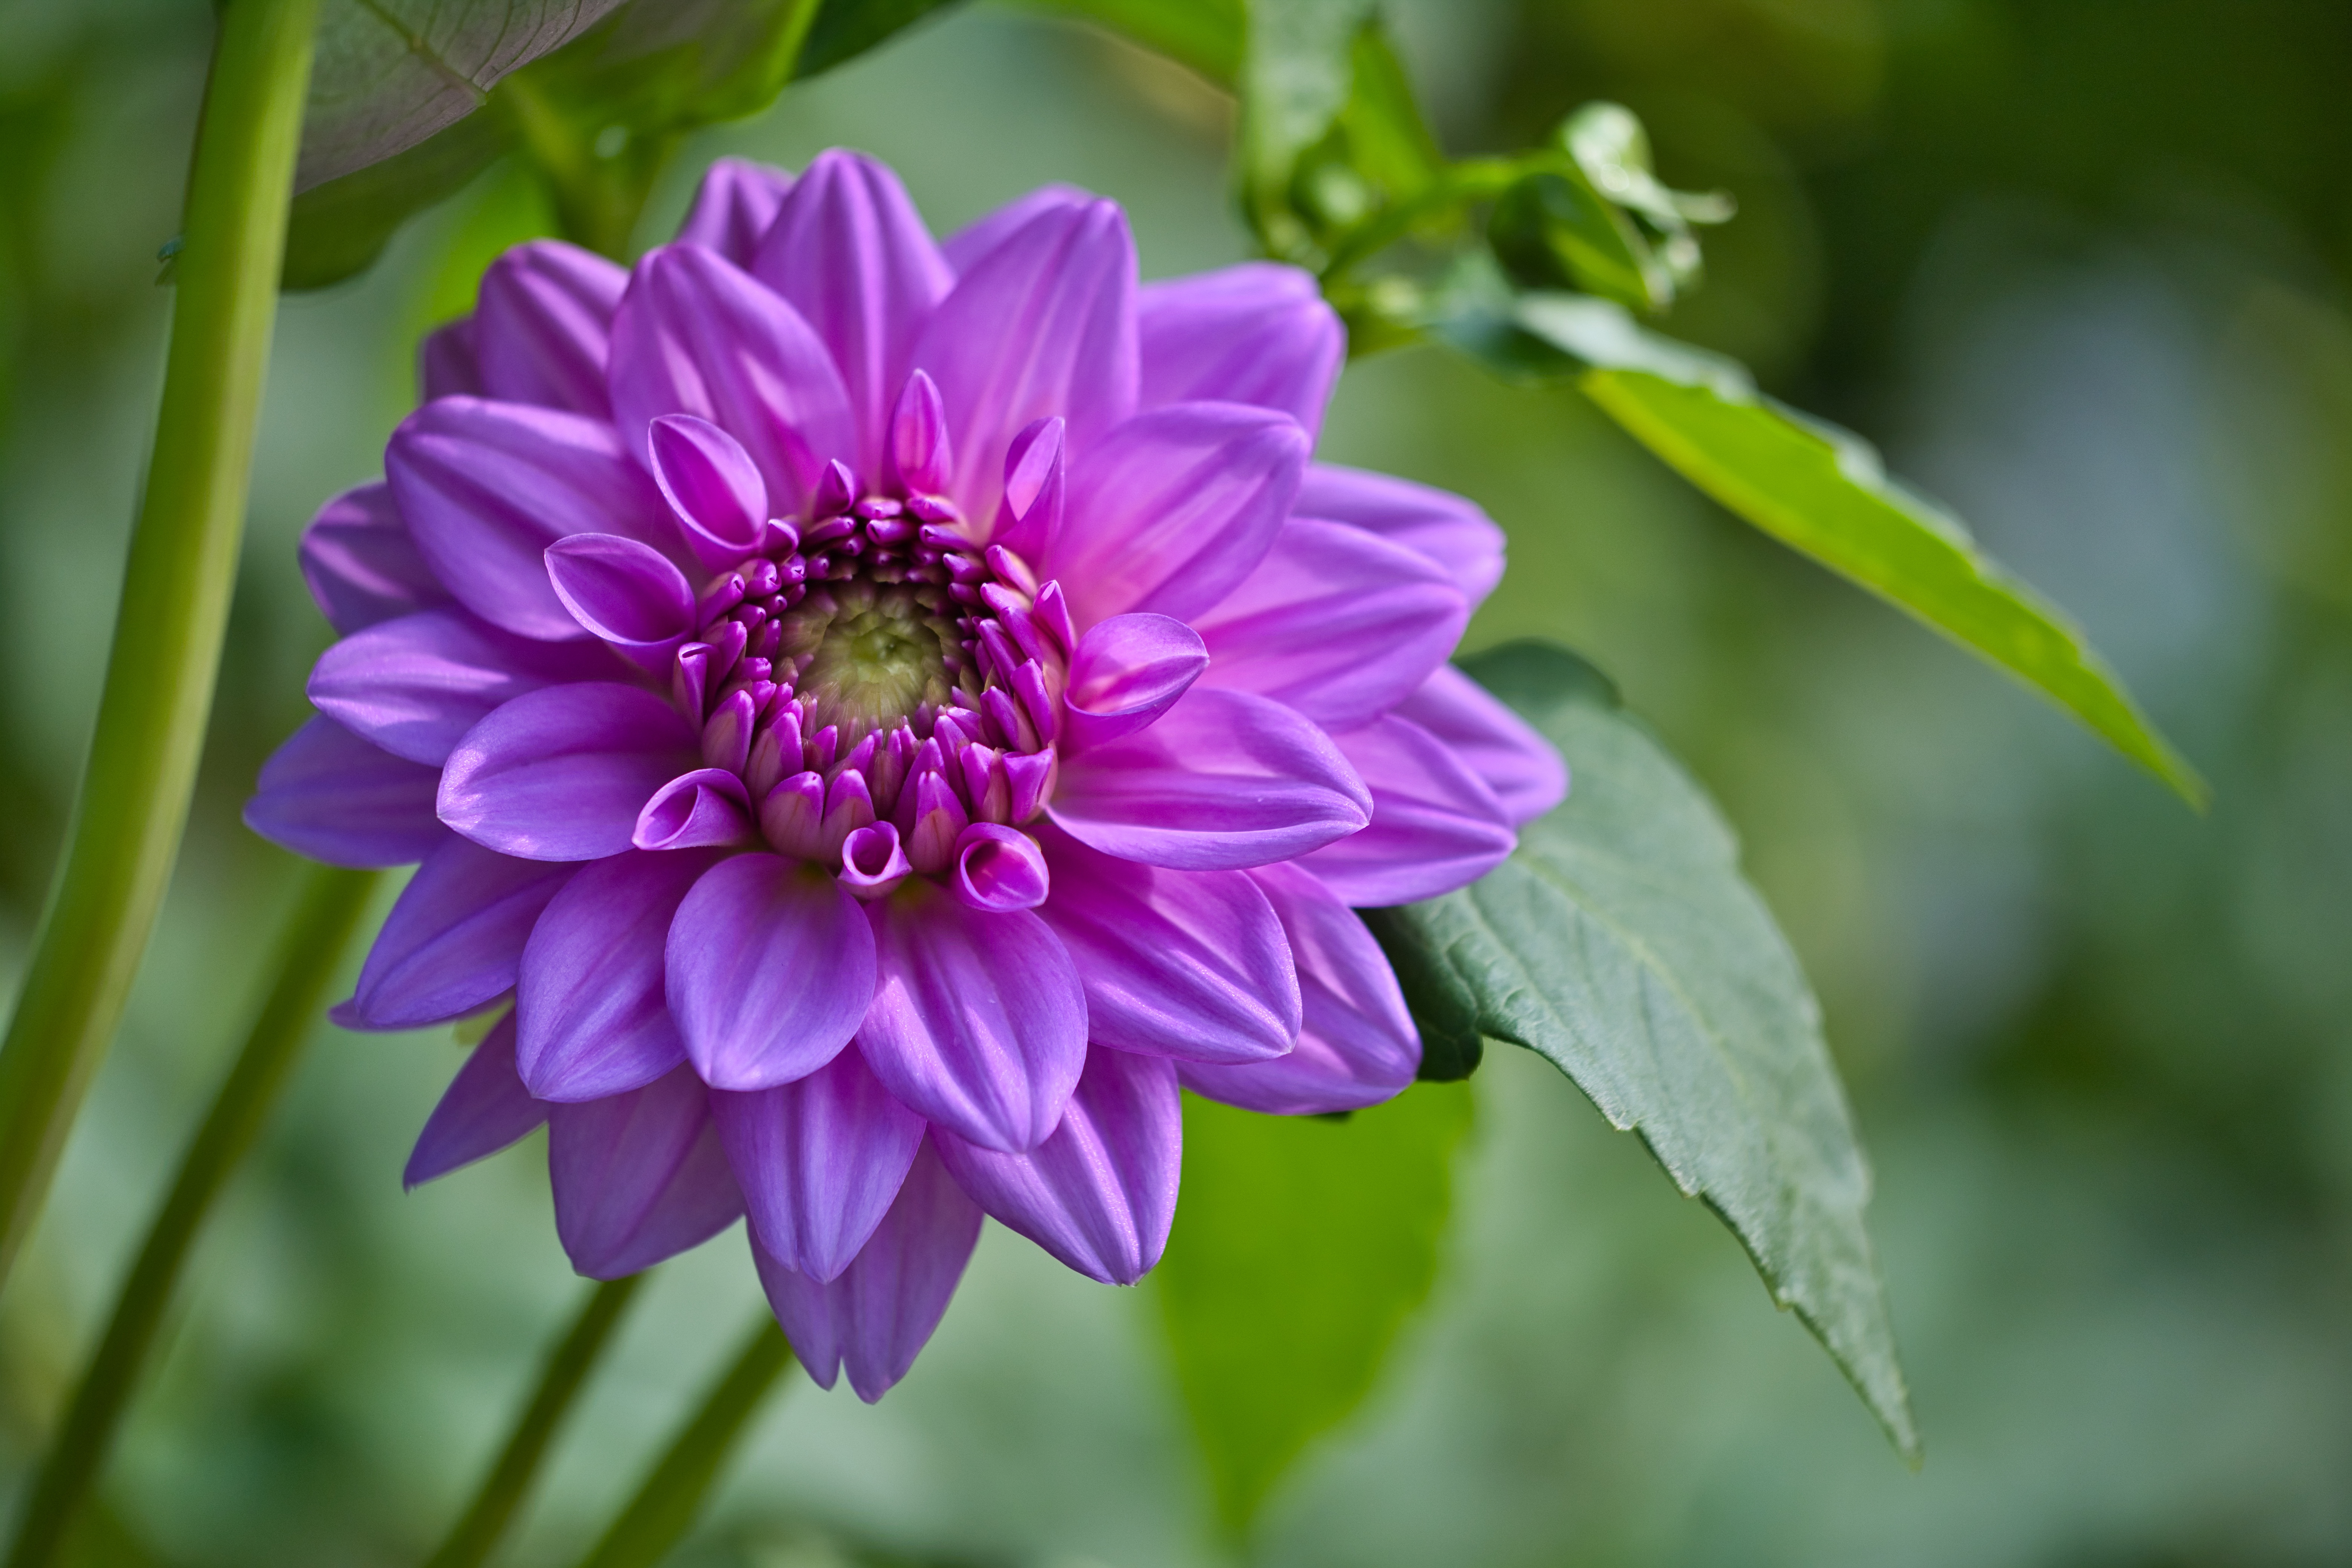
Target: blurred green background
pixel 2079 265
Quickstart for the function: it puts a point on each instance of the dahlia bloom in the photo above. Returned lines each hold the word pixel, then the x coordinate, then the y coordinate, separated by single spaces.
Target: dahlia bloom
pixel 889 714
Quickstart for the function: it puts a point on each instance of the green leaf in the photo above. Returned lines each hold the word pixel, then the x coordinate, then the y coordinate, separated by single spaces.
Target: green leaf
pixel 1621 942
pixel 1205 35
pixel 845 29
pixel 1552 230
pixel 1301 1245
pixel 338 230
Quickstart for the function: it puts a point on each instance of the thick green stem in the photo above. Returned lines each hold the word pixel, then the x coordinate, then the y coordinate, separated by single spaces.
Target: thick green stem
pixel 317 932
pixel 175 594
pixel 658 1517
pixel 502 1490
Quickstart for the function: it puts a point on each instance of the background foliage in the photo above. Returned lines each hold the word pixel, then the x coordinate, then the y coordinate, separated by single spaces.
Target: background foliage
pixel 2079 267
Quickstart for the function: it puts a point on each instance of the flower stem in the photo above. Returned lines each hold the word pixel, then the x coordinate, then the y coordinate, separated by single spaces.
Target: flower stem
pixel 176 592
pixel 665 1506
pixel 486 1518
pixel 317 932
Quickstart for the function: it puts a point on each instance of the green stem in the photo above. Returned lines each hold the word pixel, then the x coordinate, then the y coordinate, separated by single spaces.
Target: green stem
pixel 492 1510
pixel 174 607
pixel 321 924
pixel 658 1517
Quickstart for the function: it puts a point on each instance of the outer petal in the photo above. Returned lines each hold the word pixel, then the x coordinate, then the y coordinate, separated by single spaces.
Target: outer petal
pixel 361 563
pixel 454 937
pixel 771 968
pixel 638 1177
pixel 1258 333
pixel 488 487
pixel 1175 964
pixel 562 773
pixel 1521 767
pixel 416 685
pixel 1339 624
pixel 1172 510
pixel 1357 1047
pixel 485 1108
pixel 1442 526
pixel 1043 323
pixel 697 335
pixel 329 795
pixel 445 366
pixel 733 207
pixel 1224 779
pixel 1099 1194
pixel 964 248
pixel 849 253
pixel 544 326
pixel 1435 825
pixel 595 1019
pixel 979 1022
pixel 819 1162
pixel 877 1316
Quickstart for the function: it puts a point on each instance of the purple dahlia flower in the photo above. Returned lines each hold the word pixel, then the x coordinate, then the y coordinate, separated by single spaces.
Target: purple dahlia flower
pixel 890 713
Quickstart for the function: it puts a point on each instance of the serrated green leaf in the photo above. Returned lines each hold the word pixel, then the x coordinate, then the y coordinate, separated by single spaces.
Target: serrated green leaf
pixel 1301 1245
pixel 1621 942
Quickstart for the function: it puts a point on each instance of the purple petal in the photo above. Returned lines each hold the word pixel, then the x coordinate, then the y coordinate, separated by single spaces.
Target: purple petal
pixel 488 487
pixel 1441 525
pixel 361 563
pixel 771 965
pixel 1258 333
pixel 455 937
pixel 1357 1046
pixel 964 248
pixel 628 593
pixel 1176 963
pixel 1435 825
pixel 446 365
pixel 1225 779
pixel 712 485
pixel 485 1108
pixel 416 685
pixel 1029 513
pixel 1126 672
pixel 596 1017
pixel 329 795
pixel 849 253
pixel 978 1021
pixel 562 773
pixel 1522 768
pixel 819 1162
pixel 733 207
pixel 697 335
pixel 544 326
pixel 919 446
pixel 1043 323
pixel 1172 510
pixel 1339 624
pixel 998 867
pixel 1099 1194
pixel 877 1316
pixel 638 1177
pixel 708 808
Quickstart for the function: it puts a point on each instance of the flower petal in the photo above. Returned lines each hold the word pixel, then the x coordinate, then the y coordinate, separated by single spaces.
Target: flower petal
pixel 771 965
pixel 712 485
pixel 329 795
pixel 590 994
pixel 849 253
pixel 979 1022
pixel 1172 510
pixel 967 244
pixel 1339 624
pixel 696 334
pixel 454 937
pixel 446 365
pixel 416 685
pixel 1126 672
pixel 708 808
pixel 361 565
pixel 1258 333
pixel 560 774
pixel 1441 525
pixel 733 207
pixel 487 487
pixel 1225 779
pixel 1357 1046
pixel 819 1160
pixel 1176 963
pixel 638 1177
pixel 877 1317
pixel 1522 768
pixel 485 1108
pixel 544 326
pixel 628 593
pixel 1100 1193
pixel 1435 825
